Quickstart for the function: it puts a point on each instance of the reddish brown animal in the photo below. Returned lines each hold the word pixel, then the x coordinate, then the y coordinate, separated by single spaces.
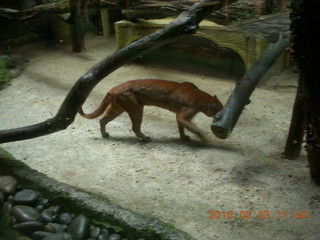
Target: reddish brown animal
pixel 185 99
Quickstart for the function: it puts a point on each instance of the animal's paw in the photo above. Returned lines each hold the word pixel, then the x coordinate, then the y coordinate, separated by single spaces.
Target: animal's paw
pixel 105 134
pixel 185 138
pixel 145 139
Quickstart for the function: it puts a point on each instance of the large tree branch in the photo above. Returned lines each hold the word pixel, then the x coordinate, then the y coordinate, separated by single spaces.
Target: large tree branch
pixel 186 23
pixel 226 119
pixel 40 10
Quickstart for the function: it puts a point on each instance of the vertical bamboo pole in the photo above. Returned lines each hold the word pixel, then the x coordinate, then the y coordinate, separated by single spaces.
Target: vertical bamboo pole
pixel 105 19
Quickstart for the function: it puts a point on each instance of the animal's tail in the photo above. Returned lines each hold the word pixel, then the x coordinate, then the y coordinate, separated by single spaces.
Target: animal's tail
pixel 103 106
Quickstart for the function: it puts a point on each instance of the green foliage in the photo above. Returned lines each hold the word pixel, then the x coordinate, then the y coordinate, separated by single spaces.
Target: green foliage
pixel 5 74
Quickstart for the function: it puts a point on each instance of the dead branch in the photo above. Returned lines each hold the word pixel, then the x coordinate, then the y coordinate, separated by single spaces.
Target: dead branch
pixel 37 11
pixel 226 119
pixel 186 23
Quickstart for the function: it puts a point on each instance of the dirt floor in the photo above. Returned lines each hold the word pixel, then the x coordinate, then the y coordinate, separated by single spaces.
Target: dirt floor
pixel 177 182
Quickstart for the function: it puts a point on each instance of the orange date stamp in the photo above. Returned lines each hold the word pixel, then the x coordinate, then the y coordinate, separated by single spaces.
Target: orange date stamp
pixel 258 215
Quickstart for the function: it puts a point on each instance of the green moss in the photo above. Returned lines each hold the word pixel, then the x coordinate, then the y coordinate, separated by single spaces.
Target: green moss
pixel 5 154
pixel 5 74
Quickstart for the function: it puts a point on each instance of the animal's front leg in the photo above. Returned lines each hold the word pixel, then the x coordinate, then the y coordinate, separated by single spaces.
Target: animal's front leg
pixel 183 136
pixel 184 117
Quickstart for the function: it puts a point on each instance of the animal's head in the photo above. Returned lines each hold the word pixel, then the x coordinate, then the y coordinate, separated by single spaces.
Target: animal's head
pixel 213 106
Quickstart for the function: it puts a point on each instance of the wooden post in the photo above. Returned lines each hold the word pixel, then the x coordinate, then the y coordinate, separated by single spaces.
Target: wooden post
pixel 106 24
pixel 77 24
pixel 283 5
pixel 258 7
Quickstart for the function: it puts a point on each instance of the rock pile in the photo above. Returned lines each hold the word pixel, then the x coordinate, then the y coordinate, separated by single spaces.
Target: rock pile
pixel 35 218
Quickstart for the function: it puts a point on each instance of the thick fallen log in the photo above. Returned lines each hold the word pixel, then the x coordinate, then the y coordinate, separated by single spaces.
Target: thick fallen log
pixel 186 23
pixel 42 10
pixel 226 119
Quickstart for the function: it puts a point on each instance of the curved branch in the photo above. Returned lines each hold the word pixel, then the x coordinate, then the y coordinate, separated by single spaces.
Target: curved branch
pixel 40 10
pixel 226 119
pixel 186 23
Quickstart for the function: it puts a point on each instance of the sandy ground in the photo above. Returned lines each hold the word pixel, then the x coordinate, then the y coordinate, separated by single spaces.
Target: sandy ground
pixel 177 182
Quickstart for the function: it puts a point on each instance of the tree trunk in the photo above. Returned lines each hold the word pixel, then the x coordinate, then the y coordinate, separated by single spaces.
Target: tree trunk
pixel 186 23
pixel 294 141
pixel 258 7
pixel 77 25
pixel 305 39
pixel 226 119
pixel 283 5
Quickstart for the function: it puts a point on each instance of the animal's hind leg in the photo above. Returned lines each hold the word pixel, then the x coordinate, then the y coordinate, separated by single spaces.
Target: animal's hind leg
pixel 136 119
pixel 110 114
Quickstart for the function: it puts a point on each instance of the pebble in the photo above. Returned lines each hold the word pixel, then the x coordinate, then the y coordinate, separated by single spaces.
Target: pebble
pixel 10 199
pixel 39 235
pixel 26 196
pixel 39 208
pixel 28 228
pixel 114 237
pixel 46 215
pixel 56 227
pixel 56 209
pixel 8 185
pixel 95 232
pixel 45 202
pixel 103 235
pixel 79 228
pixel 22 238
pixel 65 218
pixel 25 213
pixel 7 207
pixel 1 197
pixel 59 236
pixel 37 219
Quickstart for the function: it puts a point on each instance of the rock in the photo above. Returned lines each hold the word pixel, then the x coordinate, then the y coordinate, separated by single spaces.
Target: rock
pixel 59 236
pixel 56 209
pixel 65 218
pixel 95 232
pixel 56 227
pixel 46 215
pixel 45 202
pixel 26 196
pixel 8 185
pixel 7 207
pixel 102 237
pixel 105 232
pixel 28 228
pixel 114 236
pixel 25 213
pixel 2 197
pixel 39 207
pixel 39 235
pixel 79 228
pixel 22 238
pixel 10 199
